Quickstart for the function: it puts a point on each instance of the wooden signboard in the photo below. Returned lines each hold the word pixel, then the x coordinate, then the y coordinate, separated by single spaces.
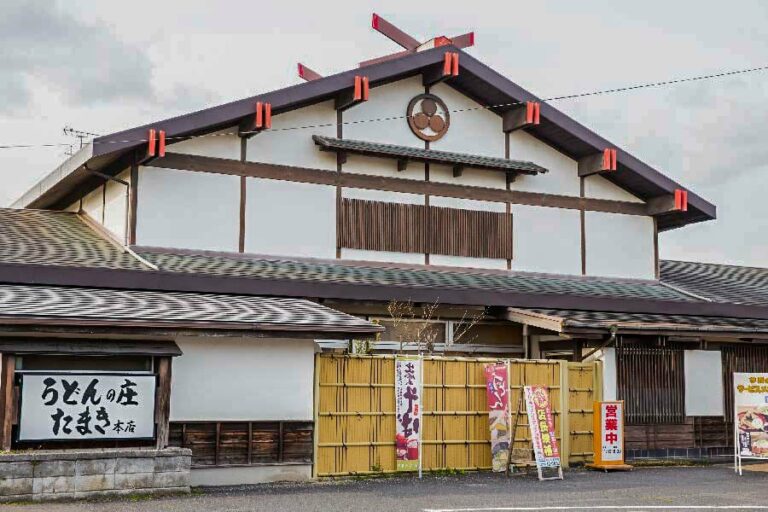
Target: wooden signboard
pixel 608 439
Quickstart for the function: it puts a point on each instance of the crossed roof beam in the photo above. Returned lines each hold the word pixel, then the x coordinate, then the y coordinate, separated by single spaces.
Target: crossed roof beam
pixel 410 43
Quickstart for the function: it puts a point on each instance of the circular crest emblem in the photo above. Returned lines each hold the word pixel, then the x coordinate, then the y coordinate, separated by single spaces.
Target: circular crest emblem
pixel 428 117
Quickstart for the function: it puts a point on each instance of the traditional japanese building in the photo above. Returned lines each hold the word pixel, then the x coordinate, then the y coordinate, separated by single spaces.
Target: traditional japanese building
pixel 237 240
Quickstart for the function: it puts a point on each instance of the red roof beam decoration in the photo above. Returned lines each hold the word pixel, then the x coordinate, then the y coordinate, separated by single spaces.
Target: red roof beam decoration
pixel 522 116
pixel 359 92
pixel 411 44
pixel 606 161
pixel 155 143
pixel 675 202
pixel 260 120
pixel 307 74
pixel 448 69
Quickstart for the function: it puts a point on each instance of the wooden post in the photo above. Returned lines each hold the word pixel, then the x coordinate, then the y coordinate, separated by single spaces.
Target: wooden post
pixel 7 399
pixel 163 401
pixel 565 423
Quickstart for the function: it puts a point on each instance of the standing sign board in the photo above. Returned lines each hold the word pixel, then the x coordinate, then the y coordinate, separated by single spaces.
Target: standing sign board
pixel 72 406
pixel 497 390
pixel 408 412
pixel 608 440
pixel 542 427
pixel 750 424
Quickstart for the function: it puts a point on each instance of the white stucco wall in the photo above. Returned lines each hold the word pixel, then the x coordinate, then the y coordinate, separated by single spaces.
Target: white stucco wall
pixel 389 100
pixel 563 176
pixel 600 188
pixel 386 167
pixel 116 206
pixel 222 144
pixel 473 129
pixel 608 358
pixel 703 383
pixel 295 146
pixel 382 195
pixel 382 256
pixel 93 204
pixel 191 210
pixel 469 178
pixel 546 239
pixel 290 219
pixel 226 379
pixel 619 245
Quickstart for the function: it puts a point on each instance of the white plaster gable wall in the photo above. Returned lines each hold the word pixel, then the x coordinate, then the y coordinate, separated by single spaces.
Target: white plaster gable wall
pixel 619 245
pixel 190 210
pixel 222 144
pixel 242 379
pixel 462 261
pixel 382 256
pixel 600 188
pixel 295 146
pixel 470 177
pixel 563 176
pixel 386 167
pixel 473 130
pixel 290 219
pixel 93 204
pixel 546 239
pixel 116 206
pixel 390 100
pixel 382 195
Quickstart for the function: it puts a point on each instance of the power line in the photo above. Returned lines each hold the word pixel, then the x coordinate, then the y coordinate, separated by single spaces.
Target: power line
pixel 599 92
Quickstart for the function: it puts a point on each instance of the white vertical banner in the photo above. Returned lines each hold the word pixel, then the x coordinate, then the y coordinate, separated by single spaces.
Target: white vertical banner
pixel 611 420
pixel 408 386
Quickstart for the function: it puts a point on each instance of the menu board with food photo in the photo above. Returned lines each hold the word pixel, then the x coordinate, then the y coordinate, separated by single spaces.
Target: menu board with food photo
pixel 751 414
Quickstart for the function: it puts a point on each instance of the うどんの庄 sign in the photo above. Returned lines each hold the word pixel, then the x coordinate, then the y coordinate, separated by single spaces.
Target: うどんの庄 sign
pixel 75 406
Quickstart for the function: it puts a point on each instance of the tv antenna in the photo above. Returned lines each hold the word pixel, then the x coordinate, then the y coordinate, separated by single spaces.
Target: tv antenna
pixel 81 135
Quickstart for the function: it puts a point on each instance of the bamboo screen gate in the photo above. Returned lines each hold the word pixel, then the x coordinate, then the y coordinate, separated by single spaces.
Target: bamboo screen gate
pixel 355 411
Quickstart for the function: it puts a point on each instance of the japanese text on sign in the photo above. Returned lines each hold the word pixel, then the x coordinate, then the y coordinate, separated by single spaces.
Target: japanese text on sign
pixel 408 412
pixel 86 406
pixel 542 426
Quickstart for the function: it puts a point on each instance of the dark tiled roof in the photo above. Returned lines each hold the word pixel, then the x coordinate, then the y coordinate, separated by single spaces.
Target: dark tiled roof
pixel 190 309
pixel 426 155
pixel 719 283
pixel 655 322
pixel 362 274
pixel 57 238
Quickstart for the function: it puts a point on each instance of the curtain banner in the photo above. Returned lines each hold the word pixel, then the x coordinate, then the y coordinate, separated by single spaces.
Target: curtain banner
pixel 497 388
pixel 408 412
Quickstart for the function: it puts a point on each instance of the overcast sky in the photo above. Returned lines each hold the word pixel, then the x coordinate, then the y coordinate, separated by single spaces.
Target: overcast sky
pixel 105 66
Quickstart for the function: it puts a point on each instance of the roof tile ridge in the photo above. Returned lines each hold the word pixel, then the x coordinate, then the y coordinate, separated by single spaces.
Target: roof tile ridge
pixel 104 234
pixel 685 292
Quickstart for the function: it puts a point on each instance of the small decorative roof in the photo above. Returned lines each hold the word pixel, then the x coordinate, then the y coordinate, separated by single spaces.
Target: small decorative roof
pixel 426 155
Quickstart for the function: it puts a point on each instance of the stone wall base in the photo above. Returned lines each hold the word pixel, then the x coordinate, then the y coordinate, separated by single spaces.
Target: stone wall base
pixel 79 474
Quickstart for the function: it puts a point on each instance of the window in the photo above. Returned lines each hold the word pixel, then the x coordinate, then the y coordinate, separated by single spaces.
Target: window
pixel 651 381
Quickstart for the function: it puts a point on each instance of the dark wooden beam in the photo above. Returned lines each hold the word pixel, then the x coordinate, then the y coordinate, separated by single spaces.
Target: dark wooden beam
pixel 662 205
pixel 597 163
pixel 458 170
pixel 163 401
pixel 402 164
pixel 322 177
pixel 7 399
pixel 434 74
pixel 511 177
pixel 521 117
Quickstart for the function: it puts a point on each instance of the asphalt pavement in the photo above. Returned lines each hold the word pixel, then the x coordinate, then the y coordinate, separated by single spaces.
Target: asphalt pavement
pixel 657 489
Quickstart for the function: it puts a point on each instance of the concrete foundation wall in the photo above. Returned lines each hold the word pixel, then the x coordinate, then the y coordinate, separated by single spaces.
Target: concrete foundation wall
pixel 246 475
pixel 83 474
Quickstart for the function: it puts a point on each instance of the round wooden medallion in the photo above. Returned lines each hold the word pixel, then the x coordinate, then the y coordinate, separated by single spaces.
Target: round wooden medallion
pixel 428 117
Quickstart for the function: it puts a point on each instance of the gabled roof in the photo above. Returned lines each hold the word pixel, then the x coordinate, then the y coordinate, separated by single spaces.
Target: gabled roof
pixel 475 80
pixel 718 282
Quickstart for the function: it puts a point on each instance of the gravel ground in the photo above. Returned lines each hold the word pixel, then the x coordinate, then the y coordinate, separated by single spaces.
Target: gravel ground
pixel 674 488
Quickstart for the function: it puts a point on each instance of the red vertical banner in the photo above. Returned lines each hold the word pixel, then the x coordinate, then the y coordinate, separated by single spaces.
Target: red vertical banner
pixel 542 426
pixel 497 390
